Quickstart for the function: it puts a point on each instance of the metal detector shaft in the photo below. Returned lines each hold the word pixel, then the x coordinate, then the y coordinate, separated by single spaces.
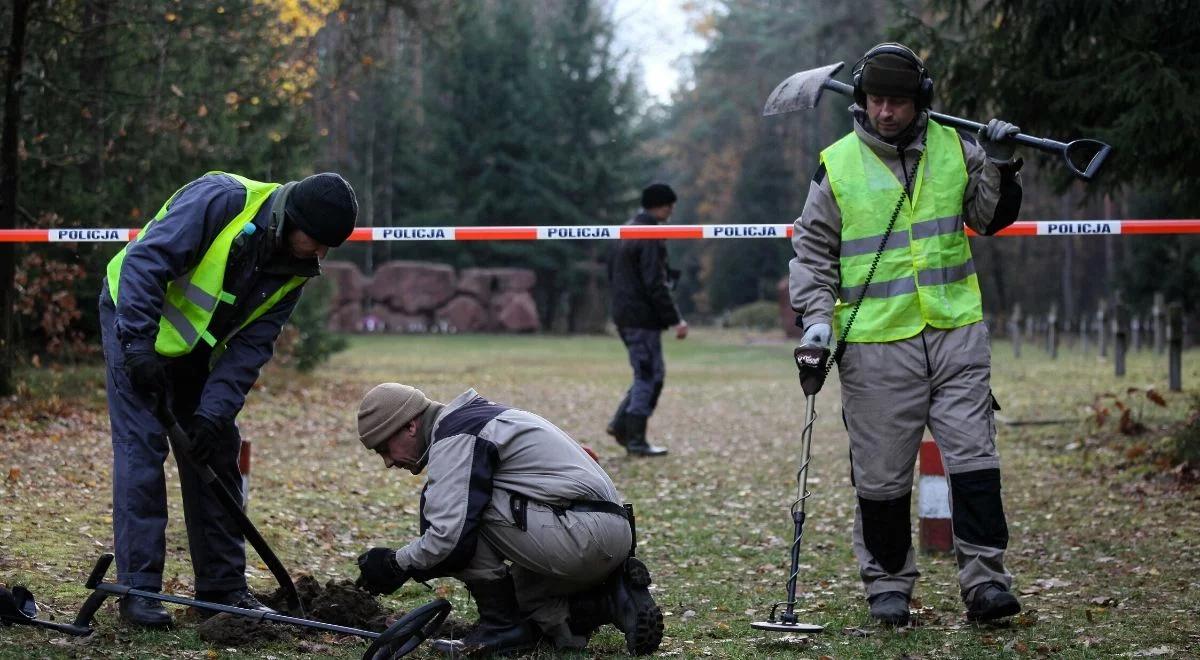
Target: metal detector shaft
pixel 122 590
pixel 798 513
pixel 786 621
pixel 179 439
pixel 406 634
pixel 802 91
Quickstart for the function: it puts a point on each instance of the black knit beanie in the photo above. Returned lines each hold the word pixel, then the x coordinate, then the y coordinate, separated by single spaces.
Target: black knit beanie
pixel 324 207
pixel 656 195
pixel 888 74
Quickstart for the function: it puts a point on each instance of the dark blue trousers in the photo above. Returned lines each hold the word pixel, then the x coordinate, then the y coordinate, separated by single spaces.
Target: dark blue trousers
pixel 646 357
pixel 139 485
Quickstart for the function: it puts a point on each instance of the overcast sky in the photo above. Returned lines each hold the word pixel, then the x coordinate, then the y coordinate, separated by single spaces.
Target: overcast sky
pixel 656 34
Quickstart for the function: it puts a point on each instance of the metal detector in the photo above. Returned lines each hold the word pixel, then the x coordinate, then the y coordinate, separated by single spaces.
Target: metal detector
pixel 17 607
pixel 813 365
pixel 802 91
pixel 400 639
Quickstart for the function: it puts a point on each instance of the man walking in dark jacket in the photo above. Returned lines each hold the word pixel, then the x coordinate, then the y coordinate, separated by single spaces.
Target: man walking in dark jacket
pixel 641 281
pixel 189 313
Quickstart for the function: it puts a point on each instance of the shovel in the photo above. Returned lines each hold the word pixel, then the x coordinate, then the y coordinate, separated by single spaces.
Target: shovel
pixel 802 91
pixel 181 444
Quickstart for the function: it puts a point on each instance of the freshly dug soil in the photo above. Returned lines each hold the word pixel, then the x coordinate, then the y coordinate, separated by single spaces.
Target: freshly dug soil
pixel 454 628
pixel 338 602
pixel 226 629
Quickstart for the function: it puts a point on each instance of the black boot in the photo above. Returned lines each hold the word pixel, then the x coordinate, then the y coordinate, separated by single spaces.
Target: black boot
pixel 991 601
pixel 635 436
pixel 890 608
pixel 616 426
pixel 632 609
pixel 143 611
pixel 501 629
pixel 235 598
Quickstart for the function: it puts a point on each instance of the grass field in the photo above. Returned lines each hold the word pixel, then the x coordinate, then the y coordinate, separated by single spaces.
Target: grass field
pixel 1106 558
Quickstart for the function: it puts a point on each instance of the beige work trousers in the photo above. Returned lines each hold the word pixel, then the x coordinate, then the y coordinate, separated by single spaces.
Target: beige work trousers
pixel 554 557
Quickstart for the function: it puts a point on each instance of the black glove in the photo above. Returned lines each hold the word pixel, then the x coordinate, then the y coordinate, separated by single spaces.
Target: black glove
pixel 205 435
pixel 145 371
pixel 811 360
pixel 380 574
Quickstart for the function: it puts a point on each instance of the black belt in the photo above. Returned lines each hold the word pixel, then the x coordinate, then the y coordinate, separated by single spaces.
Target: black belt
pixel 596 506
pixel 519 504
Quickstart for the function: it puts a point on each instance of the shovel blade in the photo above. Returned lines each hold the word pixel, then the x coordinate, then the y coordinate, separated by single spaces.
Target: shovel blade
pixel 801 91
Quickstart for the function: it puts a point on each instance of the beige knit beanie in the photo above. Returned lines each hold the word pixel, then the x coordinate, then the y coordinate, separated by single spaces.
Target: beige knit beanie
pixel 386 409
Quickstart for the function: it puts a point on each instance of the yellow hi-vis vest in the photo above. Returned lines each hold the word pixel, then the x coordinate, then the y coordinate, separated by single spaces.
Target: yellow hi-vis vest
pixel 192 299
pixel 925 274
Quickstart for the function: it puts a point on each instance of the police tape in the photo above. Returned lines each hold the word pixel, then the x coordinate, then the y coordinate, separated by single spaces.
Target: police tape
pixel 623 232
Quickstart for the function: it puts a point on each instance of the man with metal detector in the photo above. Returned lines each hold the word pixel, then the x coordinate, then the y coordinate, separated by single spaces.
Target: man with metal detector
pixel 189 313
pixel 882 257
pixel 640 280
pixel 519 512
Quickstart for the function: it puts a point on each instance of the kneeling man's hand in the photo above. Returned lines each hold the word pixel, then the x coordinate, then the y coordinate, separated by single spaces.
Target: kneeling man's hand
pixel 380 574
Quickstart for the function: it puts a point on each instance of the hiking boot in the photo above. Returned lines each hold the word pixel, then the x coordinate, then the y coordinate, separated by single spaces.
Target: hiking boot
pixel 237 598
pixel 890 608
pixel 990 601
pixel 142 611
pixel 616 425
pixel 616 429
pixel 501 629
pixel 635 438
pixel 632 609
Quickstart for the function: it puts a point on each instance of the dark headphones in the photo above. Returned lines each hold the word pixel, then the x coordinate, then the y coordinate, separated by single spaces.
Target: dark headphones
pixel 924 93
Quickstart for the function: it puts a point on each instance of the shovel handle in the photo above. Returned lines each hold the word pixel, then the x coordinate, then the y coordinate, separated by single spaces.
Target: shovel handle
pixel 1093 166
pixel 793 94
pixel 1067 150
pixel 176 437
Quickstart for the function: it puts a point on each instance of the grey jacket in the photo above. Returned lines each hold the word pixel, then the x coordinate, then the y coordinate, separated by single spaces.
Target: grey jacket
pixel 990 202
pixel 477 446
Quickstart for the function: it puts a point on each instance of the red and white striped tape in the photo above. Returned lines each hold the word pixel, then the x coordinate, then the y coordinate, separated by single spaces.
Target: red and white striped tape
pixel 621 232
pixel 933 501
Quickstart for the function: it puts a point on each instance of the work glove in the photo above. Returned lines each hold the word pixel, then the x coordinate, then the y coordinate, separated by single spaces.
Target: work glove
pixel 379 572
pixel 996 140
pixel 146 372
pixel 206 435
pixel 816 336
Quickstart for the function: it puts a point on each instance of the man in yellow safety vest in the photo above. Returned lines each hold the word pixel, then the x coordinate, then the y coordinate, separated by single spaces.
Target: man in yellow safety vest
pixel 189 313
pixel 883 265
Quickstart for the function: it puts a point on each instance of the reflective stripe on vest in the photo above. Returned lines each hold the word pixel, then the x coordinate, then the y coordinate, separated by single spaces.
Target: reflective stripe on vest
pixel 925 274
pixel 191 300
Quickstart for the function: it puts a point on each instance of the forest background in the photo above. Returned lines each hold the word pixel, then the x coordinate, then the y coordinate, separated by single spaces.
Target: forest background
pixel 529 112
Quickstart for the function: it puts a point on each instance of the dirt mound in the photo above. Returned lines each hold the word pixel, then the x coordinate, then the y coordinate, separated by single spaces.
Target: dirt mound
pixel 454 628
pixel 338 602
pixel 230 630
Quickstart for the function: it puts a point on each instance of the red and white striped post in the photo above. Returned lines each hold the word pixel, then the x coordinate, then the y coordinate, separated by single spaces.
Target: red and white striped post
pixel 244 469
pixel 933 501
